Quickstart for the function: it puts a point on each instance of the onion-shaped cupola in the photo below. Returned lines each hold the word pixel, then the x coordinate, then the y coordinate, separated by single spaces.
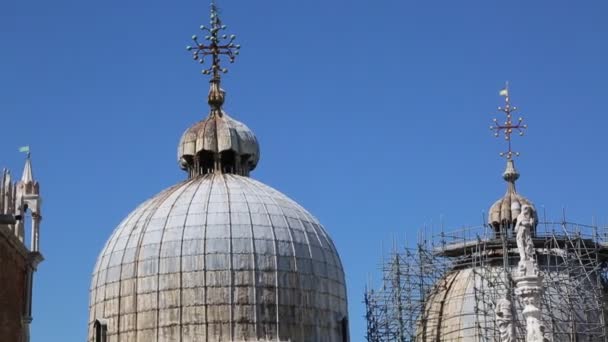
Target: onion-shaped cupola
pixel 504 212
pixel 218 143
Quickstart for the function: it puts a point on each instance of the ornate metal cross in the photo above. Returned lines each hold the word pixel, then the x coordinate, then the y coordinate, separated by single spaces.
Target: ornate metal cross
pixel 219 45
pixel 508 127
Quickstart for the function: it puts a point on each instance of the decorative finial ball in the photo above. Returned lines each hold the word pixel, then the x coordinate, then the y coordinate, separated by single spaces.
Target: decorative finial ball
pixel 236 52
pixel 224 70
pixel 189 48
pixel 224 27
pixel 225 36
pixel 194 37
pixel 203 27
pixel 206 72
pixel 233 36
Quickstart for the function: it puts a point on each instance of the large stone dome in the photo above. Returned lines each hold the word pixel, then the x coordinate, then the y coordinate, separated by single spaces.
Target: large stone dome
pixel 463 304
pixel 220 257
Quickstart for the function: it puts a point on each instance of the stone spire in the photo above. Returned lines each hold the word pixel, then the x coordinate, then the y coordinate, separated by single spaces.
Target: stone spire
pixel 28 198
pixel 17 199
pixel 219 143
pixel 28 175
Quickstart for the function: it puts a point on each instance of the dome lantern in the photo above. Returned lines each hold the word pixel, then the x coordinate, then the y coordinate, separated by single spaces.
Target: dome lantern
pixel 218 143
pixel 503 213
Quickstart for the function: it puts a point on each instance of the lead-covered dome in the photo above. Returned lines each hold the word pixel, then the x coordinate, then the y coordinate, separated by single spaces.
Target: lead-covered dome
pixel 462 306
pixel 220 257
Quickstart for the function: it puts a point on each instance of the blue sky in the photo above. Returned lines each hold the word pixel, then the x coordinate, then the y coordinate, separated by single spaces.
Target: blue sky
pixel 373 115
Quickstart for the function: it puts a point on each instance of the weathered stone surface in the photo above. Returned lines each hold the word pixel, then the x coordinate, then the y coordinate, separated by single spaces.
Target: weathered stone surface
pixel 219 258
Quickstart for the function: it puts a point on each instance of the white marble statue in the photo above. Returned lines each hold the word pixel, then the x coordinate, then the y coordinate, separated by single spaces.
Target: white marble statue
pixel 526 224
pixel 529 286
pixel 504 320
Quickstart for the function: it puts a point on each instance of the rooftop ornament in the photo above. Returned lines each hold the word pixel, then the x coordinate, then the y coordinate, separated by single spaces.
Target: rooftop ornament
pixel 504 212
pixel 218 143
pixel 508 127
pixel 216 45
pixel 514 211
pixel 219 45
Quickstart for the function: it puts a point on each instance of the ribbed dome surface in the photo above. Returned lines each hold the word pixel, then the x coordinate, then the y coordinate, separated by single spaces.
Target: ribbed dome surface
pixel 219 258
pixel 458 310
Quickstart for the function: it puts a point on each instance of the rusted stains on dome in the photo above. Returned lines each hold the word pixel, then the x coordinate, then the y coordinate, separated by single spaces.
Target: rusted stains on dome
pixel 220 257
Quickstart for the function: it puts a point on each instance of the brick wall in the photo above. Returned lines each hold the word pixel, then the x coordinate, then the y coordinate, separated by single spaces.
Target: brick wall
pixel 12 288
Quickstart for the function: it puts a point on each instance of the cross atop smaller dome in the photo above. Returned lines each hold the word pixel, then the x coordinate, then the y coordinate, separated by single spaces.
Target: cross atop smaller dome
pixel 218 46
pixel 508 127
pixel 219 143
pixel 503 213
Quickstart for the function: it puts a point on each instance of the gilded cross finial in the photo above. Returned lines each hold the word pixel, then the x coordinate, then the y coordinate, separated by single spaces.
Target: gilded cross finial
pixel 508 127
pixel 217 45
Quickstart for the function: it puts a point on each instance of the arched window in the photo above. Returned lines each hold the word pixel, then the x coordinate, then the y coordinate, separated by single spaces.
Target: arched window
pixel 101 331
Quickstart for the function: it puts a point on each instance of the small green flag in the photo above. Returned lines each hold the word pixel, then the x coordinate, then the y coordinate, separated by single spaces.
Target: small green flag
pixel 24 149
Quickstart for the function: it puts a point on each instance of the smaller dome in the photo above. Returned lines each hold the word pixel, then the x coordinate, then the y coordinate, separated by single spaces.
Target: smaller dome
pixel 504 212
pixel 219 134
pixel 218 143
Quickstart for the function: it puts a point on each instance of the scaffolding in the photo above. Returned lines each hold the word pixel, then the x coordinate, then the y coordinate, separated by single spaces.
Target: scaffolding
pixel 448 288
